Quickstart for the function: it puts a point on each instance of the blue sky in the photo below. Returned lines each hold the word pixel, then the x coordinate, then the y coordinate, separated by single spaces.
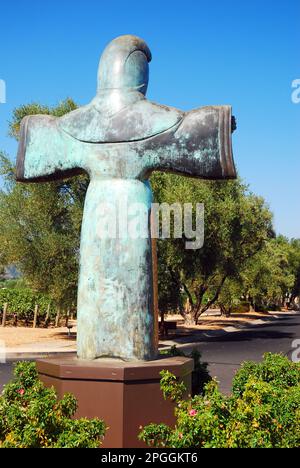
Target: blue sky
pixel 244 53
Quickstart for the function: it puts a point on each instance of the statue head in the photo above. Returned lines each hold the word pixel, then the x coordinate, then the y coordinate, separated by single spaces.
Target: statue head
pixel 124 65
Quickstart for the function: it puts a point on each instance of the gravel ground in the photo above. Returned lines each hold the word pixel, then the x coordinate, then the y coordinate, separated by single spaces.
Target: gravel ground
pixel 15 336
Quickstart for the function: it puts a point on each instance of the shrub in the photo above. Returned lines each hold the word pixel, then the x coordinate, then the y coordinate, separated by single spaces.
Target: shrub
pixel 22 302
pixel 262 412
pixel 200 374
pixel 275 369
pixel 13 283
pixel 31 416
pixel 242 307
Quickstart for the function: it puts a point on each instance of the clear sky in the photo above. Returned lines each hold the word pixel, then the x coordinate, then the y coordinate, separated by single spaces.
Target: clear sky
pixel 245 53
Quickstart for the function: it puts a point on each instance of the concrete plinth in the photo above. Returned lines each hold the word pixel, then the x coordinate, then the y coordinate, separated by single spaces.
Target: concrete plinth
pixel 126 395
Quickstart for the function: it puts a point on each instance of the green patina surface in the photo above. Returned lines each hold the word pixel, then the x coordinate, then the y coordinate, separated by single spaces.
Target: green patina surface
pixel 119 139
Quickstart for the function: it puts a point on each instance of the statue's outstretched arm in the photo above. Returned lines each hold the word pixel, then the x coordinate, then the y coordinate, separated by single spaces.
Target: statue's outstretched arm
pixel 45 152
pixel 200 146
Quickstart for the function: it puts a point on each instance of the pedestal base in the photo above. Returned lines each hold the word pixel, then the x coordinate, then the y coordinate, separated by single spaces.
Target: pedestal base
pixel 126 395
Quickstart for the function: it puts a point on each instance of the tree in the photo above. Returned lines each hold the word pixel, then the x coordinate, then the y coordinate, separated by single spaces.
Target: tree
pixel 40 223
pixel 294 262
pixel 2 273
pixel 237 224
pixel 40 233
pixel 34 108
pixel 267 279
pixel 231 295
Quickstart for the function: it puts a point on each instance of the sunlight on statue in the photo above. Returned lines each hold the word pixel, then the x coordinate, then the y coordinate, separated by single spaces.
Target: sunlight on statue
pixel 119 139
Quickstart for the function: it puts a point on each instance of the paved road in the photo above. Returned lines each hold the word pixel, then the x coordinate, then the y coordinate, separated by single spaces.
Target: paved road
pixel 6 369
pixel 225 353
pixel 5 373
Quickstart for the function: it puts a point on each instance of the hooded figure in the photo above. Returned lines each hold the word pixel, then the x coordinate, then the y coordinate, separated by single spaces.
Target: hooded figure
pixel 119 139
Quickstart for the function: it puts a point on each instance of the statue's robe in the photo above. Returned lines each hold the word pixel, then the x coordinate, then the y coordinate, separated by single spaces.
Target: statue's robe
pixel 119 151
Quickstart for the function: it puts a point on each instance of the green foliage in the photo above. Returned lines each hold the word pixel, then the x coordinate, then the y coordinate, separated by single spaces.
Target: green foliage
pixel 171 388
pixel 200 375
pixel 237 224
pixel 13 284
pixel 40 223
pixel 268 277
pixel 240 260
pixel 294 264
pixel 275 369
pixel 31 416
pixel 229 299
pixel 241 307
pixel 34 108
pixel 22 302
pixel 262 412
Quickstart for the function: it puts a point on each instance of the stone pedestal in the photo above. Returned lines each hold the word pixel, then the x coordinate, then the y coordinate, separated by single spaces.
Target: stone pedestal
pixel 126 395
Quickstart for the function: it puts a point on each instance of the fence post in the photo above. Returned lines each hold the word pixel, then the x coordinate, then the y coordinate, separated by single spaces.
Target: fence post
pixel 36 311
pixel 57 318
pixel 15 322
pixel 47 316
pixel 5 307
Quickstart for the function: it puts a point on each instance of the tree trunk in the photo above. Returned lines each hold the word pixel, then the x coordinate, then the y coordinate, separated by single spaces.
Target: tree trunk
pixel 5 308
pixel 201 311
pixel 57 318
pixel 225 311
pixel 67 318
pixel 35 317
pixel 189 318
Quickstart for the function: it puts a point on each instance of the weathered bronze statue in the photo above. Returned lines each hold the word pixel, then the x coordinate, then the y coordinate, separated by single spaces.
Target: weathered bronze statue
pixel 119 139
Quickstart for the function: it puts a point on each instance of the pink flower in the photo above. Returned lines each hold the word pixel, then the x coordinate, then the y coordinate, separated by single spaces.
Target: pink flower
pixel 193 412
pixel 21 391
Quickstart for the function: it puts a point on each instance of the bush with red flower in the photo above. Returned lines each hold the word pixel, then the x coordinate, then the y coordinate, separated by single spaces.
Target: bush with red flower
pixel 32 416
pixel 263 410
